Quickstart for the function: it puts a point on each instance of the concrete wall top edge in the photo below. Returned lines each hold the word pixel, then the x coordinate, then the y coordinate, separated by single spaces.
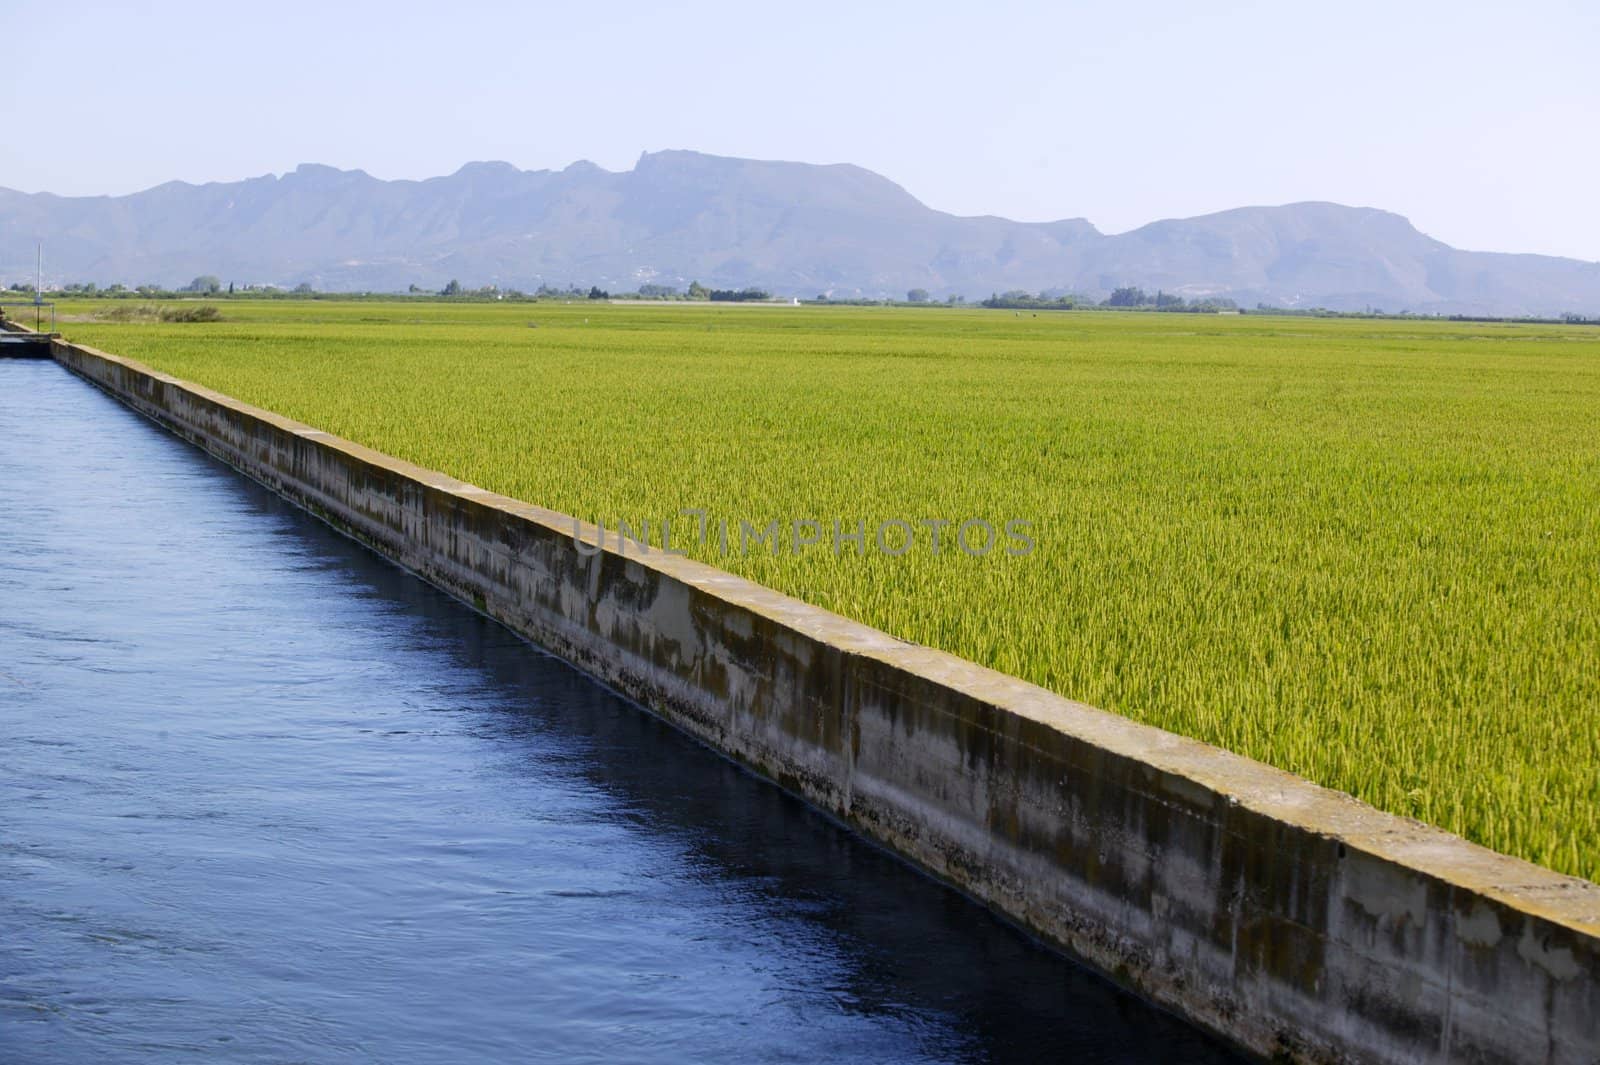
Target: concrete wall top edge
pixel 1272 793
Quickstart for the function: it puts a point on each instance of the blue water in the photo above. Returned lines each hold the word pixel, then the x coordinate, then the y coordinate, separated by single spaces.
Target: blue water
pixel 266 798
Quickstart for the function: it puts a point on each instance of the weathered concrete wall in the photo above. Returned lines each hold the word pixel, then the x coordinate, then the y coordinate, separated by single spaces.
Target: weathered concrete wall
pixel 1291 919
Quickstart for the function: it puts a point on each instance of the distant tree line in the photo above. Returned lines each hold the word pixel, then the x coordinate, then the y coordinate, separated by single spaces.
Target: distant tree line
pixel 206 285
pixel 918 297
pixel 209 285
pixel 647 291
pixel 1129 298
pixel 1018 300
pixel 1567 318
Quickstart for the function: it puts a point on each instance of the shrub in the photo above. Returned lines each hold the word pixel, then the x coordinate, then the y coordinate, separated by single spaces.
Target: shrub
pixel 203 313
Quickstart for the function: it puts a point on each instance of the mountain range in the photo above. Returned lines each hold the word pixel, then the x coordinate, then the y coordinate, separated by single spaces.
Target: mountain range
pixel 793 228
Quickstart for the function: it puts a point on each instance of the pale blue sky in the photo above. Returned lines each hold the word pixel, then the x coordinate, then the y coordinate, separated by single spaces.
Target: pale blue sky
pixel 1479 121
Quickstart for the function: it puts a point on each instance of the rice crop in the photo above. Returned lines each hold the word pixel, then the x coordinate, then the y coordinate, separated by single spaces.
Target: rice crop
pixel 1367 552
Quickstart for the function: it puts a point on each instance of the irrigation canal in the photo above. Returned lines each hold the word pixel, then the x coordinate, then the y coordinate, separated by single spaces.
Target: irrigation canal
pixel 266 798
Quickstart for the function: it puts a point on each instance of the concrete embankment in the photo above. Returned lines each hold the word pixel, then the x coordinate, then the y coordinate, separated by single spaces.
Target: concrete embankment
pixel 1293 920
pixel 15 344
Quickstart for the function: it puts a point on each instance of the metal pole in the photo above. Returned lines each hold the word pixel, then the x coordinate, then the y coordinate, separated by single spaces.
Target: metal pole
pixel 38 285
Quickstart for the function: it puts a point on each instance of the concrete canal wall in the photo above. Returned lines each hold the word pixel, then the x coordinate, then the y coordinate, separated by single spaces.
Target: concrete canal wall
pixel 1295 921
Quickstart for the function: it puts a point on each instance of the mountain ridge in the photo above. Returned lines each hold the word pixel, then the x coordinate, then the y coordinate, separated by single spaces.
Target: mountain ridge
pixel 795 228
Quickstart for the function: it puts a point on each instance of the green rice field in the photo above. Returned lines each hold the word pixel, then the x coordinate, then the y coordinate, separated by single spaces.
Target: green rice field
pixel 1367 552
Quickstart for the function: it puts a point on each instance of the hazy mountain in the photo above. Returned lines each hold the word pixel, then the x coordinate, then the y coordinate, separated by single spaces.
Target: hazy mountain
pixel 791 227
